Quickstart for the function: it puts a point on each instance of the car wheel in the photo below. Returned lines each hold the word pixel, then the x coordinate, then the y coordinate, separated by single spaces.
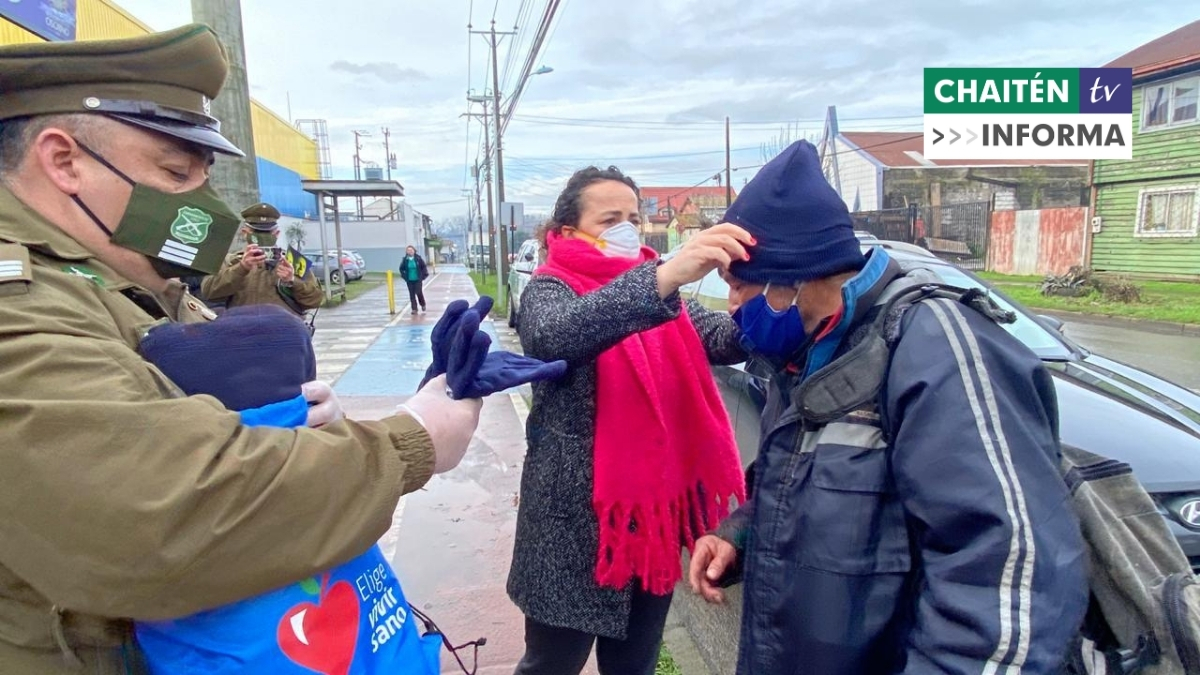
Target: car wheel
pixel 512 313
pixel 335 277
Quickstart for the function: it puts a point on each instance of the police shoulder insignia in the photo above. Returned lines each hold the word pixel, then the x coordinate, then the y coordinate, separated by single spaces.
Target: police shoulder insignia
pixel 14 267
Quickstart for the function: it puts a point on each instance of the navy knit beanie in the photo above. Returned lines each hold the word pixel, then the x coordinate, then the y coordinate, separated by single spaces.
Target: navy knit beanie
pixel 247 357
pixel 802 226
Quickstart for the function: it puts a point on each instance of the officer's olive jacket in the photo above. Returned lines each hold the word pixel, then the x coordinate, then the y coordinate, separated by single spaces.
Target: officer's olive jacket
pixel 122 499
pixel 235 286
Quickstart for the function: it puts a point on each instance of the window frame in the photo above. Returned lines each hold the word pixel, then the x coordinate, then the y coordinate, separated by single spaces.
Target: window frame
pixel 1171 83
pixel 1143 196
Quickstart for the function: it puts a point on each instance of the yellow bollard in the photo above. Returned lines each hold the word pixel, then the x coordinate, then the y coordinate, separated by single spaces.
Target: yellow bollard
pixel 391 294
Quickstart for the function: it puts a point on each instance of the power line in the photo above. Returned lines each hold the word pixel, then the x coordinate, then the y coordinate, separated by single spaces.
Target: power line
pixel 670 155
pixel 553 31
pixel 523 12
pixel 620 123
pixel 495 9
pixel 531 59
pixel 852 150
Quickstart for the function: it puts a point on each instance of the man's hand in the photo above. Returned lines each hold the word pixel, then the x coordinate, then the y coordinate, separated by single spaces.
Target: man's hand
pixel 450 423
pixel 716 247
pixel 710 560
pixel 324 408
pixel 285 271
pixel 253 257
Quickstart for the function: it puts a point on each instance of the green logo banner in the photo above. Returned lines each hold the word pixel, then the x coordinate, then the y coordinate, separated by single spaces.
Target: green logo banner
pixel 1002 90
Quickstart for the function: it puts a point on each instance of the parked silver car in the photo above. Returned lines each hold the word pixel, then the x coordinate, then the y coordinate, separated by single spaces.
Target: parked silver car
pixel 527 259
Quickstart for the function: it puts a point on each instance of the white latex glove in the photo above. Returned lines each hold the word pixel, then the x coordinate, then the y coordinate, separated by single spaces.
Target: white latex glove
pixel 326 409
pixel 450 423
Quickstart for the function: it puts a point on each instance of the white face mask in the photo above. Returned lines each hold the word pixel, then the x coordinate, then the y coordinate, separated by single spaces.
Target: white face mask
pixel 621 241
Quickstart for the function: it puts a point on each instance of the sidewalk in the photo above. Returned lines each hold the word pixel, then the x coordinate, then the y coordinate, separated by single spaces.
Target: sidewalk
pixel 451 542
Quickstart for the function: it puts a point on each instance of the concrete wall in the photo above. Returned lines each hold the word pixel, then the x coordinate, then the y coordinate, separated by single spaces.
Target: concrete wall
pixel 381 243
pixel 235 178
pixel 1047 241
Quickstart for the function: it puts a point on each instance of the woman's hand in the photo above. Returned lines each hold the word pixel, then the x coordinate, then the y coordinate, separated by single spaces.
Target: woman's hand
pixel 714 248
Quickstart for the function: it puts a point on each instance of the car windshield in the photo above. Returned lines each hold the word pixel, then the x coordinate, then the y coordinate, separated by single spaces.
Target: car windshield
pixel 1031 333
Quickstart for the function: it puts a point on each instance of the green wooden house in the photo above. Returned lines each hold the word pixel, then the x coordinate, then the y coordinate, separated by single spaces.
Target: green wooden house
pixel 1147 210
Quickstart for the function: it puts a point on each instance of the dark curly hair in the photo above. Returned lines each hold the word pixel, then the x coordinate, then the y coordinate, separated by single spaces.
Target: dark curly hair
pixel 570 202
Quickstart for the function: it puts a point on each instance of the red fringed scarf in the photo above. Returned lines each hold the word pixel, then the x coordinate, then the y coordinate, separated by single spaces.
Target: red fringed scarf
pixel 665 461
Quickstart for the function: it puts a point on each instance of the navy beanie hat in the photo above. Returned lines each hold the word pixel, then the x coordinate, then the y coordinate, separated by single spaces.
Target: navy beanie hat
pixel 803 228
pixel 247 357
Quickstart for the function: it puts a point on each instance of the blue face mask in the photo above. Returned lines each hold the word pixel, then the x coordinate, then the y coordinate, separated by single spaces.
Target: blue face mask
pixel 768 331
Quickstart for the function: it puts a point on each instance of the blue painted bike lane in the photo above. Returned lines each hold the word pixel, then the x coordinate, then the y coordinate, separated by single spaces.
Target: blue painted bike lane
pixel 396 362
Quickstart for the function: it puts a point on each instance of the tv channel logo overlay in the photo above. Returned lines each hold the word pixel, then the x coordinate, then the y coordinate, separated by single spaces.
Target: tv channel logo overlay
pixel 1001 114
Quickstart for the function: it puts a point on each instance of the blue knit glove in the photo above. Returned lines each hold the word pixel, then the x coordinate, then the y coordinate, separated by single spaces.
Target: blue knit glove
pixel 444 332
pixel 475 372
pixel 467 351
pixel 505 370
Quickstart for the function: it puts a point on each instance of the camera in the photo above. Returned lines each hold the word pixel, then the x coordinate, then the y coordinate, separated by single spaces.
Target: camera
pixel 273 255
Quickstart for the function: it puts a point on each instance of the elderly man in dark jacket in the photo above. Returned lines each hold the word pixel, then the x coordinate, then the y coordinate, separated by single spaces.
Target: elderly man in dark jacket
pixel 925 530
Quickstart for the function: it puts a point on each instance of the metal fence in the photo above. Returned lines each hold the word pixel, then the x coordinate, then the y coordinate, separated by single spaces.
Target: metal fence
pixel 659 241
pixel 954 232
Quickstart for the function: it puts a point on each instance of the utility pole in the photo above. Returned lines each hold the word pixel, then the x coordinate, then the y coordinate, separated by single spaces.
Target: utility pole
pixel 387 152
pixel 502 269
pixel 358 164
pixel 493 36
pixel 728 170
pixel 485 100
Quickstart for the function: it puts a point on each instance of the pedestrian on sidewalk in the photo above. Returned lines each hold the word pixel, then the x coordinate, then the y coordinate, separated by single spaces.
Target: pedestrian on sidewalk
pixel 414 272
pixel 631 455
pixel 920 525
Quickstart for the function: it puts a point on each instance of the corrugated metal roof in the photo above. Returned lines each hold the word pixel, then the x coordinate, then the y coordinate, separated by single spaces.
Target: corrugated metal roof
pixel 905 149
pixel 1180 47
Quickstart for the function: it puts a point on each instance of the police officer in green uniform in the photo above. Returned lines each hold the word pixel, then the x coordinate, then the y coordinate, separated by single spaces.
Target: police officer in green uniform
pixel 120 498
pixel 260 274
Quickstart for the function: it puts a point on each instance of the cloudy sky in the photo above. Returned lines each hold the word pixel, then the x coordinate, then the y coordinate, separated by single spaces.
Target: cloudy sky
pixel 644 84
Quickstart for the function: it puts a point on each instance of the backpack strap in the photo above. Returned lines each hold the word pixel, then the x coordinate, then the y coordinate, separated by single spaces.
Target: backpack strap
pixel 858 376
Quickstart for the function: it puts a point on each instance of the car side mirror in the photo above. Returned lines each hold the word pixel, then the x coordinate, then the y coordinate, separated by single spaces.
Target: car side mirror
pixel 1053 322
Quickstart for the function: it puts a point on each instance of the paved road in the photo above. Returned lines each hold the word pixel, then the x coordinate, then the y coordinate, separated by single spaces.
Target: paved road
pixel 1172 357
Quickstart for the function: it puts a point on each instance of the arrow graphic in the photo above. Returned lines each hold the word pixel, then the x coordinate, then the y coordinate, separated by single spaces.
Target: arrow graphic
pixel 956 136
pixel 940 136
pixel 971 136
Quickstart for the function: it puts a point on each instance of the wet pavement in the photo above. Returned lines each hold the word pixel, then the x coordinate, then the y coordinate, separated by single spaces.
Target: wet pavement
pixel 451 542
pixel 1172 356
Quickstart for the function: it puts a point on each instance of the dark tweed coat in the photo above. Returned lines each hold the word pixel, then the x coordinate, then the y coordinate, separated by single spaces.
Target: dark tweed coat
pixel 554 558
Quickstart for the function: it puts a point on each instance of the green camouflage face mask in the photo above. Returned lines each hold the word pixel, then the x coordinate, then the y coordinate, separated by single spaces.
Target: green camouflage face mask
pixel 181 233
pixel 263 239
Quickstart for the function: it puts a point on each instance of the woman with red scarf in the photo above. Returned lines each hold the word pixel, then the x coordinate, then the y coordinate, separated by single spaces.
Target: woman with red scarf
pixel 631 454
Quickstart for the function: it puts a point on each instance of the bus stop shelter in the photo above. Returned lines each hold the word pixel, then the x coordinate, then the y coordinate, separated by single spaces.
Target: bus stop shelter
pixel 336 189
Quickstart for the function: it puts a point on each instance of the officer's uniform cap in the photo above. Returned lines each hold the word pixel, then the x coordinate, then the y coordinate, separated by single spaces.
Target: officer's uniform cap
pixel 262 217
pixel 164 82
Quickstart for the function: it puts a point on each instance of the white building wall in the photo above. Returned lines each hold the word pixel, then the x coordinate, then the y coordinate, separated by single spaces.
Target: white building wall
pixel 858 175
pixel 381 243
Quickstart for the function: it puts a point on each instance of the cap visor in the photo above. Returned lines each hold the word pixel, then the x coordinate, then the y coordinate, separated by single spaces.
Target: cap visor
pixel 201 136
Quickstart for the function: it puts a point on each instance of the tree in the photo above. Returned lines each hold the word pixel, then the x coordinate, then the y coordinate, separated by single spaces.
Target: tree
pixel 295 235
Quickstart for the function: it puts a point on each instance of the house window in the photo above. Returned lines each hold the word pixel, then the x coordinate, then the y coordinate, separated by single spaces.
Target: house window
pixel 1171 103
pixel 1169 212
